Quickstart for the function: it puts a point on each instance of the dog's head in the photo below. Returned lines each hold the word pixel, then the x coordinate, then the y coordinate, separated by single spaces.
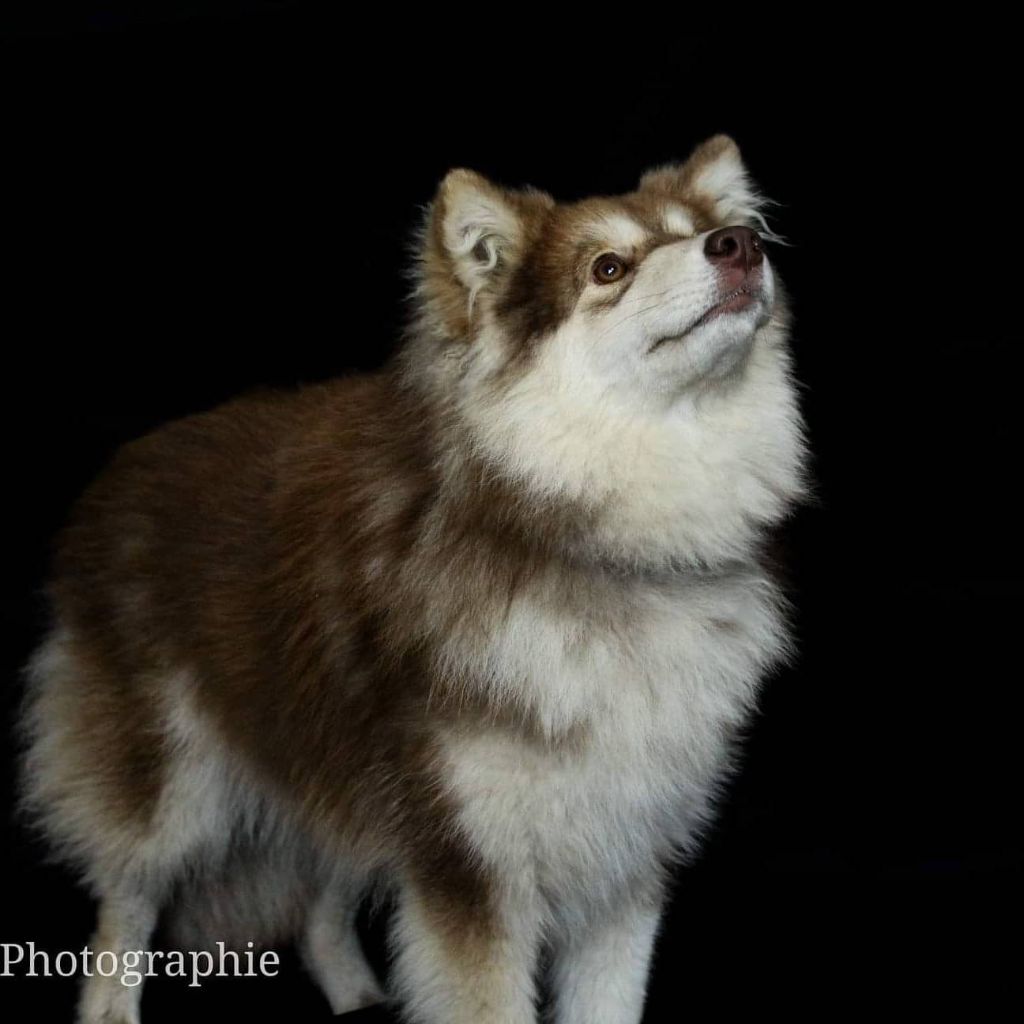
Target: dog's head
pixel 657 291
pixel 620 359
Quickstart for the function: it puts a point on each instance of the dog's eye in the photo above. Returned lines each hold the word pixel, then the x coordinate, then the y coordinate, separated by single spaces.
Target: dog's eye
pixel 609 268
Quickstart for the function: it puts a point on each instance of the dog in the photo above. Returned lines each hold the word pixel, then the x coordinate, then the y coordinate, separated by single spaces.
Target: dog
pixel 478 631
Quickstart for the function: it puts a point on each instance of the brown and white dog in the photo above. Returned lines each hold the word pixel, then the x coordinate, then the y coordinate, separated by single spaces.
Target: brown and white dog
pixel 480 628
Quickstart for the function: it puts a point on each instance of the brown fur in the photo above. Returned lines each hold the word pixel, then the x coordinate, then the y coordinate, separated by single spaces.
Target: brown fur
pixel 261 552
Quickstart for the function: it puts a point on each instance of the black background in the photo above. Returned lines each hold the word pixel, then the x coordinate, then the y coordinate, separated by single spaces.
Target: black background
pixel 208 198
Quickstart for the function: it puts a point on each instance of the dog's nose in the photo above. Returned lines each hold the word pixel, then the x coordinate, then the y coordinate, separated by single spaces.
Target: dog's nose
pixel 734 247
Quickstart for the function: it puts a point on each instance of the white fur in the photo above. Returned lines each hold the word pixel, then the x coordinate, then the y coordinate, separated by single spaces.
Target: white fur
pixel 685 472
pixel 736 201
pixel 127 919
pixel 437 988
pixel 589 822
pixel 678 221
pixel 657 701
pixel 726 182
pixel 331 949
pixel 476 220
pixel 621 231
pixel 600 971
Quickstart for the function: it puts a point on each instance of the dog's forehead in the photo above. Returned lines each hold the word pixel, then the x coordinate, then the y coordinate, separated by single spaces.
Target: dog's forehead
pixel 627 222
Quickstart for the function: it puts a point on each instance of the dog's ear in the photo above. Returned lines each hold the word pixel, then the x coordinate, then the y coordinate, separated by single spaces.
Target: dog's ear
pixel 714 174
pixel 478 224
pixel 474 232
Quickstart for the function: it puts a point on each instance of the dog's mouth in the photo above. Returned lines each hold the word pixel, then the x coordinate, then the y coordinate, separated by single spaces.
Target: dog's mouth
pixel 736 301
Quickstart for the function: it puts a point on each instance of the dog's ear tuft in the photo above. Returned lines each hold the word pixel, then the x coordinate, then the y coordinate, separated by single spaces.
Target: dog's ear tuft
pixel 715 174
pixel 478 224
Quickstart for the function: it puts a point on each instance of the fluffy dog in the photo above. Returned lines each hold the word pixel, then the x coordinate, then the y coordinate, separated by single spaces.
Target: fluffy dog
pixel 479 628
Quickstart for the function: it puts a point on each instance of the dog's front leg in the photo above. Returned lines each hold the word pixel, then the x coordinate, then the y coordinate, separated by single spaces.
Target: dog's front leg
pixel 600 971
pixel 466 954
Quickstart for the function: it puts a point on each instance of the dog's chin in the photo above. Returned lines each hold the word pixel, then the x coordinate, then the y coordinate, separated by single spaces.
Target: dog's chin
pixel 737 317
pixel 707 352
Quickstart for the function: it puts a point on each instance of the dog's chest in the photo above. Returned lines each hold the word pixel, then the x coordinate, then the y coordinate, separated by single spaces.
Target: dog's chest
pixel 639 717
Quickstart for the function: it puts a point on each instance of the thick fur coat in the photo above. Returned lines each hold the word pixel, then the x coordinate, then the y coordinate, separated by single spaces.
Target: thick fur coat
pixel 480 628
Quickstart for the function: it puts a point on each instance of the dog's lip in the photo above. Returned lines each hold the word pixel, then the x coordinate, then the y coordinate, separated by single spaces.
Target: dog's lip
pixel 733 302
